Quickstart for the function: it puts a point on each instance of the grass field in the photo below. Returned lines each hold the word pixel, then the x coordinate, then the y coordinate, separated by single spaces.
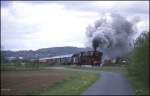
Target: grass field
pixel 51 81
pixel 75 85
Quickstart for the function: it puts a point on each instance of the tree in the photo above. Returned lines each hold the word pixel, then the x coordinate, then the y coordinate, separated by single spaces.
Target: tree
pixel 139 66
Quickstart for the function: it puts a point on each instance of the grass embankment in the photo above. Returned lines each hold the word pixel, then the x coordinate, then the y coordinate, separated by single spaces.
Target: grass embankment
pixel 75 84
pixel 104 68
pixel 114 68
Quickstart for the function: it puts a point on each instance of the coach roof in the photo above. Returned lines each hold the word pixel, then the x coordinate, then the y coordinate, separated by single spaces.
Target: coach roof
pixel 55 57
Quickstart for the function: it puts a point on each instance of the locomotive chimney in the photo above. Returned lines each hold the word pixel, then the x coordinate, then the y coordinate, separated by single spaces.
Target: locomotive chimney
pixel 95 44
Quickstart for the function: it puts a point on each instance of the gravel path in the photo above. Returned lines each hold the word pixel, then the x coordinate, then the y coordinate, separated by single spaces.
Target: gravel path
pixel 110 83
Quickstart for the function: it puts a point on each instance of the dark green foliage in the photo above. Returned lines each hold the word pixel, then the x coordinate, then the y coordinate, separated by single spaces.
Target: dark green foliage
pixel 139 66
pixel 3 58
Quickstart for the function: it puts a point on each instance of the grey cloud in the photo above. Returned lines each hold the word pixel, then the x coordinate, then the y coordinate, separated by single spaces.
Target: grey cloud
pixel 72 5
pixel 13 30
pixel 133 7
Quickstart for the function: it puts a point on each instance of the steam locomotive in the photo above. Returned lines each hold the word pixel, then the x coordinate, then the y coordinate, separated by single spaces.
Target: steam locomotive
pixel 93 58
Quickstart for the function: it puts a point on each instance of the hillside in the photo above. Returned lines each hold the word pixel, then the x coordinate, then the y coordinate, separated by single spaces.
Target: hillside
pixel 44 52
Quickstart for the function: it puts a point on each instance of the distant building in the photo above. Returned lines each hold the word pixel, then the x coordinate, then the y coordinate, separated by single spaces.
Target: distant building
pixel 11 58
pixel 14 58
pixel 113 61
pixel 20 57
pixel 109 61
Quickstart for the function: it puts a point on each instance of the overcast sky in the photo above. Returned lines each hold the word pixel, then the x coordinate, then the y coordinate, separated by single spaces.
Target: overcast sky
pixel 30 25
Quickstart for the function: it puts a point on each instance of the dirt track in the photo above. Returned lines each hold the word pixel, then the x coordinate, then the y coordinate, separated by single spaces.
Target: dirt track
pixel 22 82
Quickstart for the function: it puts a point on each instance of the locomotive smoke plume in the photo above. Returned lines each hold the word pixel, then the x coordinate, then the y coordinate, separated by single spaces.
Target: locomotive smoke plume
pixel 111 34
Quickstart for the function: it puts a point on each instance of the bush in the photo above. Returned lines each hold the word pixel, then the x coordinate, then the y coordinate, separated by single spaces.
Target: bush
pixel 139 66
